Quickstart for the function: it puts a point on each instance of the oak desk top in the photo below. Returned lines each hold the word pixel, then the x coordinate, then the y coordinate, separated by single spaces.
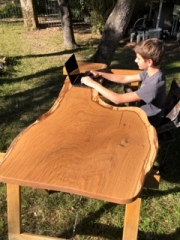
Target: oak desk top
pixel 84 146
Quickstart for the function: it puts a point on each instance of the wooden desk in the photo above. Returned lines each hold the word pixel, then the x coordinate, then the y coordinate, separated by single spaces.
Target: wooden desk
pixel 81 146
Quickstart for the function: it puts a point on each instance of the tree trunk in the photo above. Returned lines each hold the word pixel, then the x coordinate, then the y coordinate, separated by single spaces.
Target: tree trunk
pixel 29 14
pixel 114 30
pixel 66 23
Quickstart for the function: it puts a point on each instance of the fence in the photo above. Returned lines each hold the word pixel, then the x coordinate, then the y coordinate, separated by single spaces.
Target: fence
pixel 11 13
pixel 51 15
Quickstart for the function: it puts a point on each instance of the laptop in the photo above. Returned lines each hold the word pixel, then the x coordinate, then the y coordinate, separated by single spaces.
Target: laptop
pixel 74 74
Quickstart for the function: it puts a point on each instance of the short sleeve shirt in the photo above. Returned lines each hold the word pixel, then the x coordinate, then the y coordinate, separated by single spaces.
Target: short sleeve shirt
pixel 152 93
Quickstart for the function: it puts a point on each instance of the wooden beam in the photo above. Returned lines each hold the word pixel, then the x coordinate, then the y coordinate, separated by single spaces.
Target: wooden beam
pixel 131 220
pixel 14 209
pixel 26 236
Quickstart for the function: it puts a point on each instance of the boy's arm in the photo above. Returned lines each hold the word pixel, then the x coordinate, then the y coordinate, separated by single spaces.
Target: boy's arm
pixel 124 79
pixel 110 95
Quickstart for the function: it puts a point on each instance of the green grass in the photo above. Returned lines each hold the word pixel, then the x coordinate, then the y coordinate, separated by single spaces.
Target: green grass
pixel 28 88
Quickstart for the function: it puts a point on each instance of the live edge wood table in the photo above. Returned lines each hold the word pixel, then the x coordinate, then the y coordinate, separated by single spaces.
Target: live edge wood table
pixel 81 146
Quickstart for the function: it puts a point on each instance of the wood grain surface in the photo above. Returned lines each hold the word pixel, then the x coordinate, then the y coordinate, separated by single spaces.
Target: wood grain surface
pixel 84 146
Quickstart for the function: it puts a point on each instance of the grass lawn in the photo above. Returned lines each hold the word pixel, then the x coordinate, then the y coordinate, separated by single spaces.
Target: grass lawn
pixel 28 88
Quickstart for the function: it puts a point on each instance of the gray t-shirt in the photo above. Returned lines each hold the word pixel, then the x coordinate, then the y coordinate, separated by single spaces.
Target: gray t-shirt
pixel 153 93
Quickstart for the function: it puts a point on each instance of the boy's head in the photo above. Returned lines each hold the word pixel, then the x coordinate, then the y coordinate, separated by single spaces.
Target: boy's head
pixel 152 48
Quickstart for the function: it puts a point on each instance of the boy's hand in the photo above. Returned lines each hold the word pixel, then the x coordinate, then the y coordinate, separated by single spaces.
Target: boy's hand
pixel 93 74
pixel 88 81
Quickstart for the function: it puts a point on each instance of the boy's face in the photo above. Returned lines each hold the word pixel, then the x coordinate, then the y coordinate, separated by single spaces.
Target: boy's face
pixel 141 62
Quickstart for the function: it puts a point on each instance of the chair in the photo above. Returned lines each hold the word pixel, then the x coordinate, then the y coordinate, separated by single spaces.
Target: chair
pixel 139 31
pixel 170 122
pixel 172 114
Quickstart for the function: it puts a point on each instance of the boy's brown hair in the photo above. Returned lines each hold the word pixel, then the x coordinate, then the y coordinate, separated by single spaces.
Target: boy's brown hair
pixel 152 48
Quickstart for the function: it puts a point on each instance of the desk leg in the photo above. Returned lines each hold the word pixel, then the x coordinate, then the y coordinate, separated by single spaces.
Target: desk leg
pixel 131 220
pixel 14 209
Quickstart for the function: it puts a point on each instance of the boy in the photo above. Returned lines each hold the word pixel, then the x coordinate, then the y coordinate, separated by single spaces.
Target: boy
pixel 151 95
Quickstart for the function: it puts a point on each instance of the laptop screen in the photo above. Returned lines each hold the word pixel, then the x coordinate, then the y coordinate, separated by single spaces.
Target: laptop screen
pixel 74 74
pixel 72 66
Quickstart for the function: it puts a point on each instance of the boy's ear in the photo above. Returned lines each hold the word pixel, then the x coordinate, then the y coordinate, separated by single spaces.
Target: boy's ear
pixel 150 62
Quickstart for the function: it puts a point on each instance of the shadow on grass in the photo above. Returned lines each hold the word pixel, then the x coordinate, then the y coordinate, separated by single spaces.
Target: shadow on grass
pixel 70 51
pixel 12 62
pixel 148 193
pixel 88 227
pixel 30 100
pixel 21 108
pixel 31 76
